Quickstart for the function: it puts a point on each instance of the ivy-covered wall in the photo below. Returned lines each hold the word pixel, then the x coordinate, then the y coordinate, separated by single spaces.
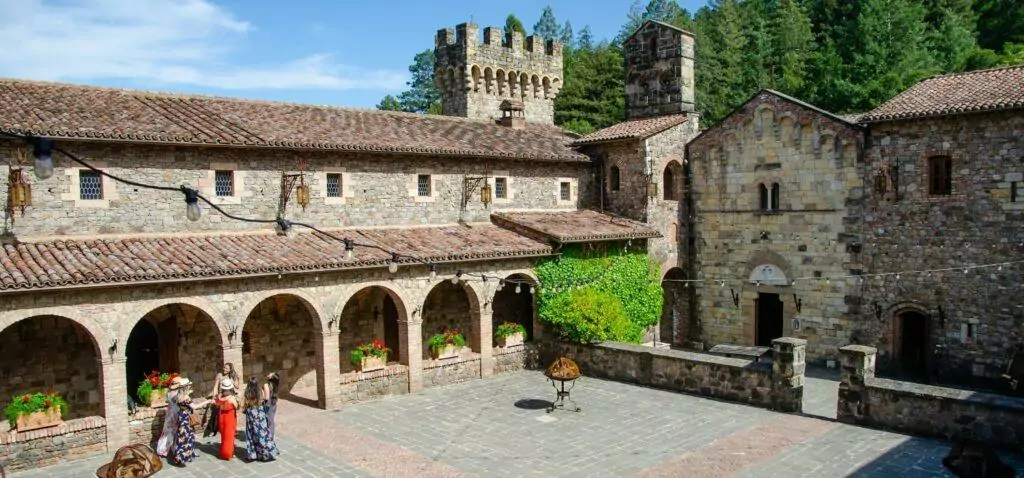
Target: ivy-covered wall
pixel 607 291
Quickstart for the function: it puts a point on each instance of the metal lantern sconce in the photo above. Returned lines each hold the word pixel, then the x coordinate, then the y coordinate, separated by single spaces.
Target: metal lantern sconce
pixel 302 194
pixel 485 194
pixel 19 191
pixel 652 187
pixel 301 191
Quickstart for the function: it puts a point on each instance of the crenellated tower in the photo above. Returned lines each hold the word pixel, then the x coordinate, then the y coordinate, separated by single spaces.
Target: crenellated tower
pixel 475 78
pixel 659 71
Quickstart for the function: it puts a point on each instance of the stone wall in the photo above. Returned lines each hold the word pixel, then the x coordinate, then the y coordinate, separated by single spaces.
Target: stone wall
pixel 437 373
pixel 448 307
pixel 52 352
pixel 659 71
pixel 800 248
pixel 362 320
pixel 279 336
pixel 778 385
pixel 199 346
pixel 73 440
pixel 948 413
pixel 975 318
pixel 475 77
pixel 378 190
pixel 360 387
pixel 516 358
pixel 145 426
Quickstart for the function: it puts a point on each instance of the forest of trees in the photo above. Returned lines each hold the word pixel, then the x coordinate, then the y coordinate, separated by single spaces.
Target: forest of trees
pixel 841 55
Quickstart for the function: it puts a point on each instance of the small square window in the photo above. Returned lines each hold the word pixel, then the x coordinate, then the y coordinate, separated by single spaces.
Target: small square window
pixel 940 176
pixel 334 185
pixel 500 188
pixel 565 191
pixel 224 182
pixel 90 185
pixel 423 185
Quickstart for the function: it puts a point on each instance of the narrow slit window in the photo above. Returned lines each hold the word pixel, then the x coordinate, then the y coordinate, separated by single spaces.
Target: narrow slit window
pixel 500 188
pixel 940 176
pixel 774 206
pixel 90 185
pixel 613 178
pixel 1013 191
pixel 565 191
pixel 334 185
pixel 224 183
pixel 762 191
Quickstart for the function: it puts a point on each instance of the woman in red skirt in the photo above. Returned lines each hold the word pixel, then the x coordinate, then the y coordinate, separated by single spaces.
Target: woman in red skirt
pixel 227 402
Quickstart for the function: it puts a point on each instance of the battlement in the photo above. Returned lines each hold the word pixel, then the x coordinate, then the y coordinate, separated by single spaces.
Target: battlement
pixel 475 75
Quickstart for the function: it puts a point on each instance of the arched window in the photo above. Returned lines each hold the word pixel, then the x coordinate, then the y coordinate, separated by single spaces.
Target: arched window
pixel 669 184
pixel 613 178
pixel 775 197
pixel 762 193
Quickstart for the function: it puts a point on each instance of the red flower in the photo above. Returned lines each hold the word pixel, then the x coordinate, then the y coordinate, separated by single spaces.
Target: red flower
pixel 47 404
pixel 25 399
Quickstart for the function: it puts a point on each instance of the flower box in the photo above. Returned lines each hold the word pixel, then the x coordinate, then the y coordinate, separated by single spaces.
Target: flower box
pixel 40 419
pixel 445 352
pixel 511 340
pixel 371 363
pixel 158 398
pixel 152 392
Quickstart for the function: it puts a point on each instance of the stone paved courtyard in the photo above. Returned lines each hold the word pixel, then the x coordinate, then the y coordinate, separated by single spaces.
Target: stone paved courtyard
pixel 498 427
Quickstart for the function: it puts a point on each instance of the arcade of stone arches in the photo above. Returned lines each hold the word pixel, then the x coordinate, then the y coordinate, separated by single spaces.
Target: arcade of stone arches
pixel 283 332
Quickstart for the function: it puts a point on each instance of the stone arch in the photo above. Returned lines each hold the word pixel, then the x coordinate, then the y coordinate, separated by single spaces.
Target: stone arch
pixel 672 179
pixel 374 311
pixel 451 306
pixel 282 333
pixel 45 351
pixel 766 301
pixel 475 77
pixel 313 306
pixel 488 80
pixel 535 85
pixel 102 339
pixel 453 84
pixel 524 85
pixel 502 78
pixel 202 303
pixel 763 121
pixel 786 121
pixel 515 302
pixel 674 326
pixel 547 87
pixel 513 81
pixel 827 139
pixel 908 335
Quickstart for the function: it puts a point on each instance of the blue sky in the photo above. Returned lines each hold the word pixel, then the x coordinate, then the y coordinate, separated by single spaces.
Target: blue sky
pixel 340 52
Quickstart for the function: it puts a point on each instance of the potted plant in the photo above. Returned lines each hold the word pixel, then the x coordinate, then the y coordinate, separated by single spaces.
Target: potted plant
pixel 369 356
pixel 152 391
pixel 509 334
pixel 36 410
pixel 444 345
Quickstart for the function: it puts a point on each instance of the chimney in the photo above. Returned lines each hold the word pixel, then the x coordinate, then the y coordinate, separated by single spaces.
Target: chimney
pixel 513 114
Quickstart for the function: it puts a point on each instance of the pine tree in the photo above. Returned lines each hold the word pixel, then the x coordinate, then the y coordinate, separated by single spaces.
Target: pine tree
pixel 792 47
pixel 893 53
pixel 547 27
pixel 585 40
pixel 512 24
pixel 661 10
pixel 567 34
pixel 389 103
pixel 422 95
pixel 592 97
pixel 953 39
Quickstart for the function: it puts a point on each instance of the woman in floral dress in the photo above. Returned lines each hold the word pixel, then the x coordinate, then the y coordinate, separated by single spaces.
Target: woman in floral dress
pixel 185 436
pixel 259 444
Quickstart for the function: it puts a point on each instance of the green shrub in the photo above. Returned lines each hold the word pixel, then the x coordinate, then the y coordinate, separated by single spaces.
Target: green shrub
pixel 586 315
pixel 33 402
pixel 448 337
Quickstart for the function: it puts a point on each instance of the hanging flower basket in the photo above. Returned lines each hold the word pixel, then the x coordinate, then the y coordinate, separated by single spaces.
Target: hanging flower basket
pixel 446 345
pixel 369 356
pixel 34 411
pixel 510 334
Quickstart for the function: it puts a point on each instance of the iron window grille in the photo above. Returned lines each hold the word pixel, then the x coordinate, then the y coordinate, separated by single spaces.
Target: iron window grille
pixel 565 191
pixel 224 183
pixel 334 185
pixel 423 185
pixel 500 188
pixel 90 185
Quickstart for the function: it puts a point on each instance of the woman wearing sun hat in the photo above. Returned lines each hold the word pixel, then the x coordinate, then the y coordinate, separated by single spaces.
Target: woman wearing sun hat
pixel 184 436
pixel 227 403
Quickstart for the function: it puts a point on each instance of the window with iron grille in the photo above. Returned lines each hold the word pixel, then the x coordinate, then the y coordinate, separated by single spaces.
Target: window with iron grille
pixel 423 185
pixel 940 176
pixel 334 185
pixel 500 188
pixel 225 183
pixel 90 185
pixel 565 191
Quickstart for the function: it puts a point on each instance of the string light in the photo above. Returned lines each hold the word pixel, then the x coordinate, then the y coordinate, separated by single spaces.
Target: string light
pixel 896 275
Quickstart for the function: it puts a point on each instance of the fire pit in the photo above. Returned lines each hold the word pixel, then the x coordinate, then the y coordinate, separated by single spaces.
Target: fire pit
pixel 559 372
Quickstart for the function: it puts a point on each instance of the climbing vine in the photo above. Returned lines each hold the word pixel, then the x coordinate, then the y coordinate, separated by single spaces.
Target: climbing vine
pixel 594 292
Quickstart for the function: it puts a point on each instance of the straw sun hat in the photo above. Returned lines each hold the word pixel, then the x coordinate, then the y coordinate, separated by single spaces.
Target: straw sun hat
pixel 227 384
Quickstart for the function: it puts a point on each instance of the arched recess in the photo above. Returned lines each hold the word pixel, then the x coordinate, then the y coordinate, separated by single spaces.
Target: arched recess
pixel 674 327
pixel 535 86
pixel 515 302
pixel 672 179
pixel 373 312
pixel 52 352
pixel 174 338
pixel 282 334
pixel 547 88
pixel 451 307
pixel 502 78
pixel 488 80
pixel 909 335
pixel 524 85
pixel 475 75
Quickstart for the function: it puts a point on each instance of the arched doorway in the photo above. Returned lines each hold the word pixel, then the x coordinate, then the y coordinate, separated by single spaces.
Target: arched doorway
pixel 674 327
pixel 450 307
pixel 50 352
pixel 514 302
pixel 913 344
pixel 174 338
pixel 281 334
pixel 371 313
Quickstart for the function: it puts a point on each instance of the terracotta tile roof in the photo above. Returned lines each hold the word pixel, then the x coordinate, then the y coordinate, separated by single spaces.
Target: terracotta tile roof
pixel 40 265
pixel 633 129
pixel 88 112
pixel 583 225
pixel 974 91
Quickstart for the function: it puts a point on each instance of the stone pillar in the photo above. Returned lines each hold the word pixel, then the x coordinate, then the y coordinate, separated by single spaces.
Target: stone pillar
pixel 410 333
pixel 485 338
pixel 115 408
pixel 233 355
pixel 857 369
pixel 328 371
pixel 788 374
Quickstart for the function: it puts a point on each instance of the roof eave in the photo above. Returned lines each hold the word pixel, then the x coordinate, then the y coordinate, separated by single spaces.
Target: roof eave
pixel 917 116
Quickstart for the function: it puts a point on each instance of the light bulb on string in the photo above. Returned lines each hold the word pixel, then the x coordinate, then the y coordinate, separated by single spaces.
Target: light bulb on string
pixel 518 288
pixel 456 277
pixel 42 149
pixel 393 264
pixel 192 210
pixel 349 249
pixel 532 289
pixel 433 271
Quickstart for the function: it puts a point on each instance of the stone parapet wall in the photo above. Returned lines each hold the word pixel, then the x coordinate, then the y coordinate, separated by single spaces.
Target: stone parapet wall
pixel 72 440
pixel 145 426
pixel 920 409
pixel 360 387
pixel 437 373
pixel 516 358
pixel 712 376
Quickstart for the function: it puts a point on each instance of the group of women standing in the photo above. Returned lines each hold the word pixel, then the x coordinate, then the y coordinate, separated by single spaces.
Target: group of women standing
pixel 259 404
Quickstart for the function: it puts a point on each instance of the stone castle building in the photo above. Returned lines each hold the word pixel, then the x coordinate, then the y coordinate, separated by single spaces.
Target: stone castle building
pixel 760 226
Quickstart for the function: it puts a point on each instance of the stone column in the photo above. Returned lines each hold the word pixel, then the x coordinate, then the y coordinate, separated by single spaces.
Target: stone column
pixel 485 339
pixel 788 369
pixel 410 333
pixel 328 371
pixel 857 369
pixel 115 408
pixel 233 355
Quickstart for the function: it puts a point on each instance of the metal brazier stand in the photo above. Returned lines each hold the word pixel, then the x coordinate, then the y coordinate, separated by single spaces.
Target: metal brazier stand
pixel 559 372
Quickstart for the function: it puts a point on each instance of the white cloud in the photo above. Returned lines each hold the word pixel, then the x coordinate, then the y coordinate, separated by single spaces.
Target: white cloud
pixel 156 41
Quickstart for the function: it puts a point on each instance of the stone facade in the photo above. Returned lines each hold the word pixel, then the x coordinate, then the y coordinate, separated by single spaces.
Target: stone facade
pixel 72 440
pixel 382 190
pixel 792 250
pixel 972 319
pixel 659 71
pixel 516 357
pixel 947 413
pixel 437 373
pixel 474 77
pixel 360 387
